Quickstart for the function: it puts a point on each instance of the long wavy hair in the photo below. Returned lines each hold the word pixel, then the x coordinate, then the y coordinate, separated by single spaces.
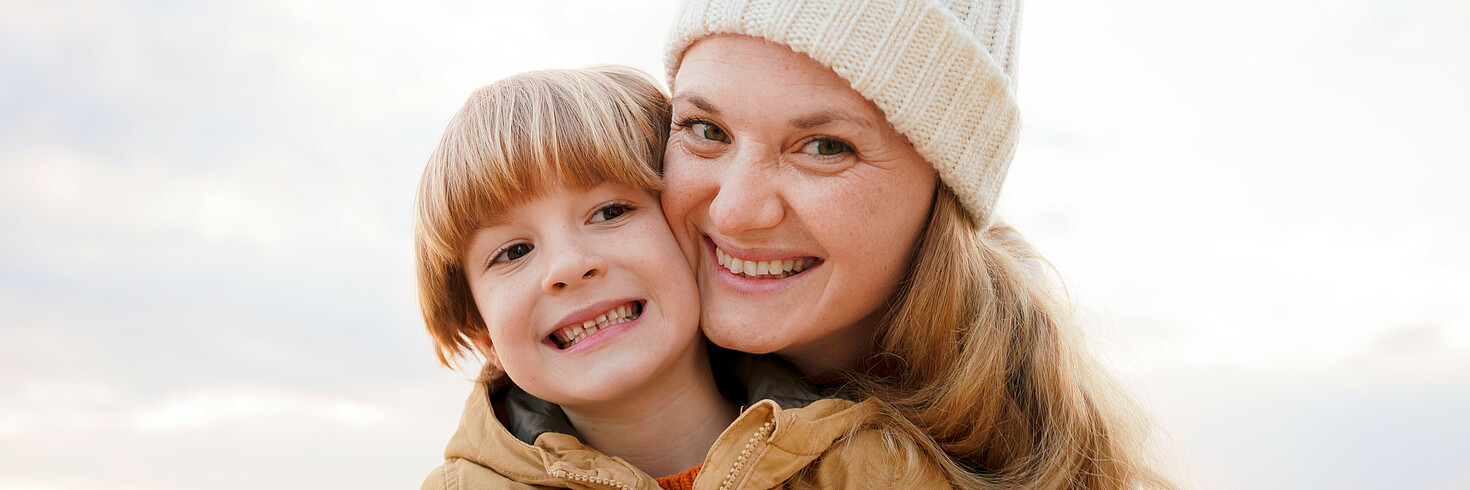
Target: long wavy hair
pixel 978 366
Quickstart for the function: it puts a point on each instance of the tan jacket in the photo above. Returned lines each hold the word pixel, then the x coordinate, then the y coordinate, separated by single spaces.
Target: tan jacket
pixel 766 447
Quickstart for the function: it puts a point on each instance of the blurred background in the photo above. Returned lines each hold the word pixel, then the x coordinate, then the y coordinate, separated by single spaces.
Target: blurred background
pixel 1261 208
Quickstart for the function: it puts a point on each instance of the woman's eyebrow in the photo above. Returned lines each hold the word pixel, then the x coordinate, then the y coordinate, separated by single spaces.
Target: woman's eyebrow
pixel 815 119
pixel 697 101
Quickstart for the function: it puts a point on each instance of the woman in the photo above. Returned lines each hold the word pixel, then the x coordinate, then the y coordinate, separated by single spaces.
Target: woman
pixel 831 172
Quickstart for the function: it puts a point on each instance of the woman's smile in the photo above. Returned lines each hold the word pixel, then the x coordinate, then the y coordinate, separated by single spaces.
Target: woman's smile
pixel 759 264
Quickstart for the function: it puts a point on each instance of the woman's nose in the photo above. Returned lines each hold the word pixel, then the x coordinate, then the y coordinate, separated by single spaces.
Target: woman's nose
pixel 747 198
pixel 572 266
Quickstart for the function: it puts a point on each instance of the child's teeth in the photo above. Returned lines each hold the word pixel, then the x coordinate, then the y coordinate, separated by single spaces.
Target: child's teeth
pixel 570 336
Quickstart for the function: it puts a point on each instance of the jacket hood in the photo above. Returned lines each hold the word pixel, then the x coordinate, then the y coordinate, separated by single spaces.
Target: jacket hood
pixel 511 435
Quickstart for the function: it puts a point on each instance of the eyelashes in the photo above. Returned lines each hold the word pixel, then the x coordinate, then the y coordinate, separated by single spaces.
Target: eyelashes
pixel 509 252
pixel 612 212
pixel 823 147
pixel 826 147
pixel 705 129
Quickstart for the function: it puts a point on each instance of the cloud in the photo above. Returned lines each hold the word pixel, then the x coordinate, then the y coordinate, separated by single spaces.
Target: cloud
pixel 202 410
pixel 1259 207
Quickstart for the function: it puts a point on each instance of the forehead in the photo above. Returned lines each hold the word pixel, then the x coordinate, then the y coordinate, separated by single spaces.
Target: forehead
pixel 723 70
pixel 506 210
pixel 572 196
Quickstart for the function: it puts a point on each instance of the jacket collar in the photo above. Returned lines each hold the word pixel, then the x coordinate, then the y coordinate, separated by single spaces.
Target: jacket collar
pixel 784 426
pixel 743 378
pixel 753 378
pixel 552 459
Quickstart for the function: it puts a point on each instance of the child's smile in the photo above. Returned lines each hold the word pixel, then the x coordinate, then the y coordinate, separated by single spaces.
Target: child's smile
pixel 581 325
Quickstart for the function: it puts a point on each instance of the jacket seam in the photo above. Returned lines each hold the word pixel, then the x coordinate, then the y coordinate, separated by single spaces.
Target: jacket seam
pixel 451 472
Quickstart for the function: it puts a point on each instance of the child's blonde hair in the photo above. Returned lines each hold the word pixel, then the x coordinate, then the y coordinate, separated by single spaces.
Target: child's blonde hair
pixel 514 140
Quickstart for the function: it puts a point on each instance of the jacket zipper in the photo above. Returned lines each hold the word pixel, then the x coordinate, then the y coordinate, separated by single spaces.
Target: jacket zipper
pixel 560 473
pixel 749 450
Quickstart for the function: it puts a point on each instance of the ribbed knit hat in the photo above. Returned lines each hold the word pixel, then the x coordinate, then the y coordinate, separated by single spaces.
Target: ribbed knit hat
pixel 942 71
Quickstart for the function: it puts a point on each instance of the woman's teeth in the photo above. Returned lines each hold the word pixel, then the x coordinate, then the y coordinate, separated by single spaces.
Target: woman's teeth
pixel 569 336
pixel 766 269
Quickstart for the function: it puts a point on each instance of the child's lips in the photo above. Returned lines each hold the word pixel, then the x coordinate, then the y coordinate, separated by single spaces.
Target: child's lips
pixel 587 321
pixel 601 336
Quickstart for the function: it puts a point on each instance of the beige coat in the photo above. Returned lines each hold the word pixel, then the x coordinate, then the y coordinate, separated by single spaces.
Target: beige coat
pixel 766 447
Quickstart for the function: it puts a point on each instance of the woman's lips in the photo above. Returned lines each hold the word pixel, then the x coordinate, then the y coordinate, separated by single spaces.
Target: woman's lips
pixel 760 265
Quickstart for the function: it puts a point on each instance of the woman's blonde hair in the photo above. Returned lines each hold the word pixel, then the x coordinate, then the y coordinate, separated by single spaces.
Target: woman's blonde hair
pixel 978 367
pixel 514 140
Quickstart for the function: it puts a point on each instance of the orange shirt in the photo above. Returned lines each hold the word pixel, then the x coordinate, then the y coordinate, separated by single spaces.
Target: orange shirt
pixel 683 480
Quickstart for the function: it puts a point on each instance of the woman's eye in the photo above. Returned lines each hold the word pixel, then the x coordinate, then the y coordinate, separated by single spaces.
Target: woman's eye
pixel 512 252
pixel 710 132
pixel 610 212
pixel 826 147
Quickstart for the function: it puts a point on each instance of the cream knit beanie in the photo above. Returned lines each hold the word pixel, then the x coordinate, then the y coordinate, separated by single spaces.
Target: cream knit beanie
pixel 942 71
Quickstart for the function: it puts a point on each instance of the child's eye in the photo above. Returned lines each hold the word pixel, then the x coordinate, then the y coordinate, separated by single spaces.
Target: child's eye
pixel 826 147
pixel 511 252
pixel 611 212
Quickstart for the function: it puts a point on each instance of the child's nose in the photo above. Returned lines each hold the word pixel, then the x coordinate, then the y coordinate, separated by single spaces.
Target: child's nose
pixel 572 268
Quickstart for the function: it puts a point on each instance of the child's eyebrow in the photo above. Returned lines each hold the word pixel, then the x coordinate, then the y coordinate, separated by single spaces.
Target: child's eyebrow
pixel 493 220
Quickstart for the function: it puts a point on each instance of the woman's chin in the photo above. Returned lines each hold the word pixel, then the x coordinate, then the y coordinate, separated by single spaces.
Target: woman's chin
pixel 744 339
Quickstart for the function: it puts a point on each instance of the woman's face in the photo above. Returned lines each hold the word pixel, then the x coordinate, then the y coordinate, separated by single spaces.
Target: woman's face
pixel 797 203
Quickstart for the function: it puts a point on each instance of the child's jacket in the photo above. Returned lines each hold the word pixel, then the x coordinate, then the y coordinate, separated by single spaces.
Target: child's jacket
pixel 766 446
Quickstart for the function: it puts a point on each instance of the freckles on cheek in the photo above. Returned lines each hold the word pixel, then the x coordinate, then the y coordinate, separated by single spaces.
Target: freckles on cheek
pixel 509 311
pixel 872 221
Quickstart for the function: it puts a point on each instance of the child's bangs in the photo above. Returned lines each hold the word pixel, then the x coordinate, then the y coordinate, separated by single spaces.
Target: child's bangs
pixel 526 135
pixel 573 132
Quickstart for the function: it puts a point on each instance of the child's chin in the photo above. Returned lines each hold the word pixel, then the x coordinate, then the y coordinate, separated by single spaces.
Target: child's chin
pixel 601 389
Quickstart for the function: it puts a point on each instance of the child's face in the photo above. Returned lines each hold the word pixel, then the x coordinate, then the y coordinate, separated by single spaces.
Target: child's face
pixel 541 270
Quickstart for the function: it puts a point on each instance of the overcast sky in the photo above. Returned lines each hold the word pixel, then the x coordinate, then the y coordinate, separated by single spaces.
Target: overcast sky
pixel 1260 207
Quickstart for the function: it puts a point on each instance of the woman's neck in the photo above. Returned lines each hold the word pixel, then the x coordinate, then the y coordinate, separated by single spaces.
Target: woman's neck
pixel 824 360
pixel 663 428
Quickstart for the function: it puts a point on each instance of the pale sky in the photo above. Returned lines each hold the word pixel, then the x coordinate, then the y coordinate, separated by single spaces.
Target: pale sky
pixel 205 279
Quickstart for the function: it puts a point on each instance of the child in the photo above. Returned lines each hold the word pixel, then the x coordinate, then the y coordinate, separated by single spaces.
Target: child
pixel 541 246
